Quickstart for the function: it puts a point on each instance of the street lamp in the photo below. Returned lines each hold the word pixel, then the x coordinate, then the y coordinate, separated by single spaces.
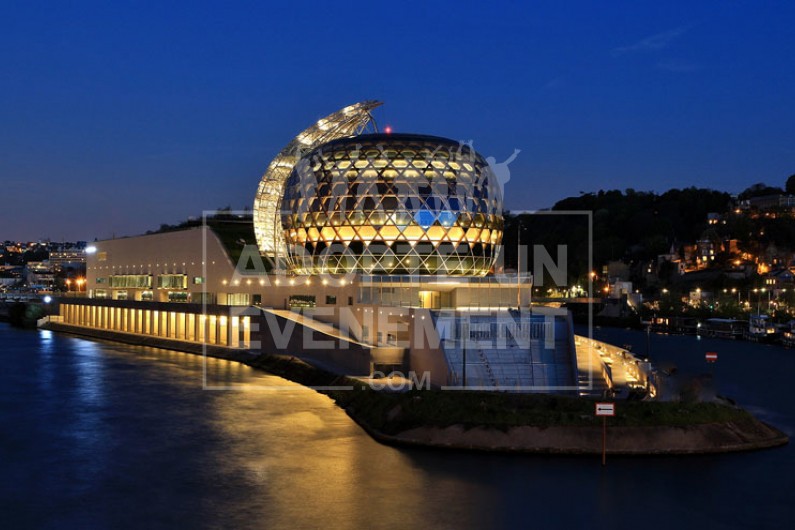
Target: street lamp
pixel 519 229
pixel 758 299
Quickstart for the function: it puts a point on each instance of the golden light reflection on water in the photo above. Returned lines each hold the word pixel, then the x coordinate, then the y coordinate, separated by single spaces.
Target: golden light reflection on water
pixel 303 455
pixel 292 456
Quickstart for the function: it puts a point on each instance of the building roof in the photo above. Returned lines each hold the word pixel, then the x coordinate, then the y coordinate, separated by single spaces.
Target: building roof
pixel 234 230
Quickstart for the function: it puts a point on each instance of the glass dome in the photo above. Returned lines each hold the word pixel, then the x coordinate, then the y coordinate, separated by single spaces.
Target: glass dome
pixel 392 204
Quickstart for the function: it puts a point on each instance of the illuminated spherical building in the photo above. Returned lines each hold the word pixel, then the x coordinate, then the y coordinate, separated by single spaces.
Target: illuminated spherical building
pixel 392 204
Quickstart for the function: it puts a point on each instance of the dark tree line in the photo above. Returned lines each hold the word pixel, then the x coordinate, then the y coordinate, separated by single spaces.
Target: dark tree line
pixel 627 225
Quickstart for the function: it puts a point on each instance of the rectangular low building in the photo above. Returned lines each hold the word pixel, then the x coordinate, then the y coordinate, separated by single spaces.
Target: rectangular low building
pixel 208 283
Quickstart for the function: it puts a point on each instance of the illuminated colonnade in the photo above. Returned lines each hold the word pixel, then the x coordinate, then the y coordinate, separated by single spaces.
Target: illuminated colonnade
pixel 233 331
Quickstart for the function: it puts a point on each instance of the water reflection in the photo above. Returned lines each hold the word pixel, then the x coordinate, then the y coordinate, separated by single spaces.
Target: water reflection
pixel 98 434
pixel 46 373
pixel 299 441
pixel 88 410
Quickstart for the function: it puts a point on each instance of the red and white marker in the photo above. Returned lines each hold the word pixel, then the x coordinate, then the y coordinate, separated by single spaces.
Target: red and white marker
pixel 711 356
pixel 605 409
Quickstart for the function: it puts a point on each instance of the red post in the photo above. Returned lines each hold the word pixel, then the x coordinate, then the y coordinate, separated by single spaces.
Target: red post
pixel 604 440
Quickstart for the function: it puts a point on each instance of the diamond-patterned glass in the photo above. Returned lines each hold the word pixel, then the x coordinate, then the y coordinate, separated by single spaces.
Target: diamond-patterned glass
pixel 348 121
pixel 392 204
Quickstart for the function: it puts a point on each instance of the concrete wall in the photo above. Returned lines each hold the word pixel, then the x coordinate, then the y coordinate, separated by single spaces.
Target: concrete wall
pixel 198 253
pixel 502 295
pixel 280 335
pixel 426 354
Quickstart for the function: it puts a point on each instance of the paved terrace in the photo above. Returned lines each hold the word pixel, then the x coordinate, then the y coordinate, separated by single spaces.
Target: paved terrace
pixel 609 366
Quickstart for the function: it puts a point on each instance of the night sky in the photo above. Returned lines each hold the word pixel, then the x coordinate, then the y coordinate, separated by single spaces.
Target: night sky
pixel 116 117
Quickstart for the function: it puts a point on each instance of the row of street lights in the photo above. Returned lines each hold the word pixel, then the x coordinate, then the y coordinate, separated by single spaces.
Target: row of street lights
pixel 757 290
pixel 759 298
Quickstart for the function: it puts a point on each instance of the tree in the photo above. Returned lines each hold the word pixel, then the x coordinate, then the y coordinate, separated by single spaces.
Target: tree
pixel 790 186
pixel 760 189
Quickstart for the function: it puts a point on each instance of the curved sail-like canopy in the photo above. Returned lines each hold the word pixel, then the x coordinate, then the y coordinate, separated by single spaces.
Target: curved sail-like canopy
pixel 350 121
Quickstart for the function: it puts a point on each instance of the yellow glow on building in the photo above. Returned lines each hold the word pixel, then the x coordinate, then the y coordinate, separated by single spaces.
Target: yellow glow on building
pixel 368 202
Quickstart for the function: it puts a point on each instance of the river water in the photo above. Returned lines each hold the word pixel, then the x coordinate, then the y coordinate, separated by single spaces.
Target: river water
pixel 103 435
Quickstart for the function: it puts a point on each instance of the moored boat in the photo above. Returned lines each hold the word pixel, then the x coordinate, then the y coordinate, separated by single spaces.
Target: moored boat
pixel 726 328
pixel 761 329
pixel 788 334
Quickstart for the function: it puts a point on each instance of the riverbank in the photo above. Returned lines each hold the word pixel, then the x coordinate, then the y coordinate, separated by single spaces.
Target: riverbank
pixel 533 423
pixel 501 422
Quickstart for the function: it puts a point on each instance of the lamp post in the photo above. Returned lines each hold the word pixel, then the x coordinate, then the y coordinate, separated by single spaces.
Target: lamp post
pixel 465 333
pixel 519 229
pixel 518 265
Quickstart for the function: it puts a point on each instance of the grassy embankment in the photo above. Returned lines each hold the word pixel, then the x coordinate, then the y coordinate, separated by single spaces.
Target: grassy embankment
pixel 392 413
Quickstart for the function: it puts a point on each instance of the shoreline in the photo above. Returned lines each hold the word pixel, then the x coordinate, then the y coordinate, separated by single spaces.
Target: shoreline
pixel 587 440
pixel 393 412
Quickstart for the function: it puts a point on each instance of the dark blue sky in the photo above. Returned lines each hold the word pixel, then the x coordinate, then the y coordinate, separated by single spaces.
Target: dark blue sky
pixel 117 117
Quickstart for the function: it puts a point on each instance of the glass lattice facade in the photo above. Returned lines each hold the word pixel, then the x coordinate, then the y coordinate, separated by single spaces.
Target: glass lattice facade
pixel 392 204
pixel 349 121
